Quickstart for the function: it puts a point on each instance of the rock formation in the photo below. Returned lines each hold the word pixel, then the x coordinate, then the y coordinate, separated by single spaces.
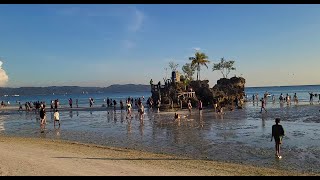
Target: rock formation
pixel 175 94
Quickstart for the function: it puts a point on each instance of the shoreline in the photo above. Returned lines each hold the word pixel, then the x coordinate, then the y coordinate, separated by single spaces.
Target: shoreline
pixel 15 108
pixel 20 156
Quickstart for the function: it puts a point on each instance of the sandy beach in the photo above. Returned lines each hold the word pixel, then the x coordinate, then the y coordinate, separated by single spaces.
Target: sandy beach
pixel 34 156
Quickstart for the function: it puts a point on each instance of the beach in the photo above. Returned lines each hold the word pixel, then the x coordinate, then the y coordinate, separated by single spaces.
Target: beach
pixel 237 143
pixel 44 157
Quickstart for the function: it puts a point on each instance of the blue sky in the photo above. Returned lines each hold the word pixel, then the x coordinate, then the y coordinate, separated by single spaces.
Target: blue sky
pixel 100 45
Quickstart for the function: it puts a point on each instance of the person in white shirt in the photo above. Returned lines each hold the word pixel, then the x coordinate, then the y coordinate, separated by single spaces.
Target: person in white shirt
pixel 56 117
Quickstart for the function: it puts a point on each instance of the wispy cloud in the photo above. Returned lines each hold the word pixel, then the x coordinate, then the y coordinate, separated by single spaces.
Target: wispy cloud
pixel 131 19
pixel 196 48
pixel 3 76
pixel 137 21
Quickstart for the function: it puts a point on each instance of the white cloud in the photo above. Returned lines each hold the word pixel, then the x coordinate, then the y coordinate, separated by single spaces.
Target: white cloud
pixel 196 49
pixel 3 76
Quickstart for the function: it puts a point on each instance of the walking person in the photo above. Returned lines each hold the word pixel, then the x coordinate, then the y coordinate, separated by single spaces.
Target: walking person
pixel 277 134
pixel 263 105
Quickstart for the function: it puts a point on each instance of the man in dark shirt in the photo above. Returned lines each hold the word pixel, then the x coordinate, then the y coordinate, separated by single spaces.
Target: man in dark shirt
pixel 277 134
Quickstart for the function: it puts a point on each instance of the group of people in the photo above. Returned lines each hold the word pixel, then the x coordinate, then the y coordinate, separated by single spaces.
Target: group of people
pixel 141 110
pixel 313 95
pixel 43 117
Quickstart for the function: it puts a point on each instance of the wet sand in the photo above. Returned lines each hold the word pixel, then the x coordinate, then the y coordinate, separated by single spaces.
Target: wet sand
pixel 240 137
pixel 38 157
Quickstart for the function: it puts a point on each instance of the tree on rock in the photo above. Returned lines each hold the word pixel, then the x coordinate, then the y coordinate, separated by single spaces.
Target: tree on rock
pixel 188 71
pixel 224 66
pixel 200 59
pixel 173 66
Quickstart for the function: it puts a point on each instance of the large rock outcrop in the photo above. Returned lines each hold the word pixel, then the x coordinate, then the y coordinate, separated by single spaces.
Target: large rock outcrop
pixel 225 92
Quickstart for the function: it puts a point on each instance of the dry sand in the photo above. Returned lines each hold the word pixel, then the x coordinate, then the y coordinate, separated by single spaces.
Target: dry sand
pixel 44 157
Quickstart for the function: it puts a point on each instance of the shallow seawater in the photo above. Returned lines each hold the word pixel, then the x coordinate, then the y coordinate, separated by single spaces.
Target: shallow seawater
pixel 241 136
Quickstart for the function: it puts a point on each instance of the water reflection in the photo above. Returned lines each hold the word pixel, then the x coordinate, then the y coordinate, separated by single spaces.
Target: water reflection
pixel 240 135
pixel 71 114
pixel 57 131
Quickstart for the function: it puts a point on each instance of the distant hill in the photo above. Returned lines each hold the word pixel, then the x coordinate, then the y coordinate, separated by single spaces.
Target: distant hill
pixel 73 89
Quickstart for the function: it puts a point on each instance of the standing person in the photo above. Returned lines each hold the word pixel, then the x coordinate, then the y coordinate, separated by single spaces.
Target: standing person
pixel 56 117
pixel 189 106
pixel 129 110
pixel 56 104
pixel 253 98
pixel 43 116
pixel 288 99
pixel 311 97
pixel 277 134
pixel 281 98
pixel 141 111
pixel 70 103
pixel 295 98
pixel 51 105
pixel 273 99
pixel 20 106
pixel 114 105
pixel 263 105
pixel 121 105
pixel 91 101
pixel 77 103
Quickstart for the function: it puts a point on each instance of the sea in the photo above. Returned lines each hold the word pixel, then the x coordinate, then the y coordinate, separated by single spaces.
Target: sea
pixel 100 98
pixel 241 136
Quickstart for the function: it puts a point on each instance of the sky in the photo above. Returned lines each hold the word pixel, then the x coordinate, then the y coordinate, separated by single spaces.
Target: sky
pixel 101 45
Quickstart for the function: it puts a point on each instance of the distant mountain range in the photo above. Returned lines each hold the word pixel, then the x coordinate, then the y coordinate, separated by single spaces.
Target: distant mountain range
pixel 73 89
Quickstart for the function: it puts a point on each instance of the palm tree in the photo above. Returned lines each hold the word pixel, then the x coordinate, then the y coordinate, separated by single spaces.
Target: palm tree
pixel 200 59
